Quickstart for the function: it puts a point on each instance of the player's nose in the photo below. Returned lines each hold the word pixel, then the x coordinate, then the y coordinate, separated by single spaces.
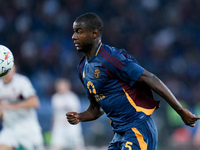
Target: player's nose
pixel 74 36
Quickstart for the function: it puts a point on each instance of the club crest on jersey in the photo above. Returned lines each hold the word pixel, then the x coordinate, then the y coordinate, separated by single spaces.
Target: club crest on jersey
pixel 96 73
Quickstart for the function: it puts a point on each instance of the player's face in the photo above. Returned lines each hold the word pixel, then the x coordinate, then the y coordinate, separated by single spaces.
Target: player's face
pixel 8 77
pixel 83 38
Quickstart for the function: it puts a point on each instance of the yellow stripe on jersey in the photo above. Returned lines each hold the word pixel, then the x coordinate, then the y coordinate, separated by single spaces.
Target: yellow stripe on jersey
pixel 142 143
pixel 98 49
pixel 139 109
pixel 111 121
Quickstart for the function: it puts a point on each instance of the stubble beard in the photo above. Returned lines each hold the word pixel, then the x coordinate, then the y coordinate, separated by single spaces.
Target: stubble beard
pixel 86 48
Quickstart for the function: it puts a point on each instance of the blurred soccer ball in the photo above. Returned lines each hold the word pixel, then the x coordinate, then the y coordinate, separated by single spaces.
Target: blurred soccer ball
pixel 6 60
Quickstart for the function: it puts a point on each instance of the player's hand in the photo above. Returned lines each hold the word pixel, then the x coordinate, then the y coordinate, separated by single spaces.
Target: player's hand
pixel 188 118
pixel 72 118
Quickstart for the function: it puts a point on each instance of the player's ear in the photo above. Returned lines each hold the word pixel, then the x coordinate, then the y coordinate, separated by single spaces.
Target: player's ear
pixel 95 33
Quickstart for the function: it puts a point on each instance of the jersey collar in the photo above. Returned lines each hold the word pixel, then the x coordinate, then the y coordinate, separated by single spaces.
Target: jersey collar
pixel 97 51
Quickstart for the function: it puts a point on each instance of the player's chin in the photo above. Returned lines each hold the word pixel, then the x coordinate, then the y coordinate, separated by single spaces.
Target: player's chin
pixel 79 49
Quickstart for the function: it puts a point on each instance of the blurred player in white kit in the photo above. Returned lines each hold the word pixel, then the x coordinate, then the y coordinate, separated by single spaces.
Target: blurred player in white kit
pixel 18 101
pixel 65 136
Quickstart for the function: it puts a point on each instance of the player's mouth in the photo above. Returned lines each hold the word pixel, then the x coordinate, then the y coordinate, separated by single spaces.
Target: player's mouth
pixel 77 45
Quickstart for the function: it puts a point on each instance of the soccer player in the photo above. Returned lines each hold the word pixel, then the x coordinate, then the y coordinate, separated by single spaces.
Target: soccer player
pixel 64 135
pixel 118 85
pixel 18 101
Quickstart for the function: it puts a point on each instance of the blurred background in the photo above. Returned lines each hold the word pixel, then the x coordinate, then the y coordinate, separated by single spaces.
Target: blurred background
pixel 163 35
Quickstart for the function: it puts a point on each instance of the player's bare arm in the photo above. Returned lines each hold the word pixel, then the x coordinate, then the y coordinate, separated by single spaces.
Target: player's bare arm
pixel 31 102
pixel 93 112
pixel 161 89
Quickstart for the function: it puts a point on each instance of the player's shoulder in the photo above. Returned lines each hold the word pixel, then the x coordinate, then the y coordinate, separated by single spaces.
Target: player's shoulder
pixel 116 54
pixel 111 55
pixel 21 78
pixel 107 51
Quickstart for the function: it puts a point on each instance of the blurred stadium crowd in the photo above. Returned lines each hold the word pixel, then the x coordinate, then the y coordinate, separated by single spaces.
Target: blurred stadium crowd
pixel 163 35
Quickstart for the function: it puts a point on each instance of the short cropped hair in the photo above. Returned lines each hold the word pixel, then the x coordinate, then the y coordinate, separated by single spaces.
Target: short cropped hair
pixel 91 21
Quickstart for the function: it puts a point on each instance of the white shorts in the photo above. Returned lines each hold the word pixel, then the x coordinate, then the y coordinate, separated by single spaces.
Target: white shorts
pixel 26 140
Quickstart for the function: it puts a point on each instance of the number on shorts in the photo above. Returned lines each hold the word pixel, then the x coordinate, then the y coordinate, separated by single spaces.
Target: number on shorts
pixel 128 145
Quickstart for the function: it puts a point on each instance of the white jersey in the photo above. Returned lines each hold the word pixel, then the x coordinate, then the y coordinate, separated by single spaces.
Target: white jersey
pixel 64 134
pixel 21 123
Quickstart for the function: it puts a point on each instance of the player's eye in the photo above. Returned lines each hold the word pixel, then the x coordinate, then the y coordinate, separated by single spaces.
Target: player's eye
pixel 79 31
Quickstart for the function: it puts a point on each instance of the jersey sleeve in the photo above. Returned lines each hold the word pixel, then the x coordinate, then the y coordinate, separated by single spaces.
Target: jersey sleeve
pixel 88 94
pixel 81 74
pixel 122 65
pixel 27 88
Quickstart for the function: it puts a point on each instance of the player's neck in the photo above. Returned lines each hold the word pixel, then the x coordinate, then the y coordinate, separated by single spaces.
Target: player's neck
pixel 92 52
pixel 7 80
